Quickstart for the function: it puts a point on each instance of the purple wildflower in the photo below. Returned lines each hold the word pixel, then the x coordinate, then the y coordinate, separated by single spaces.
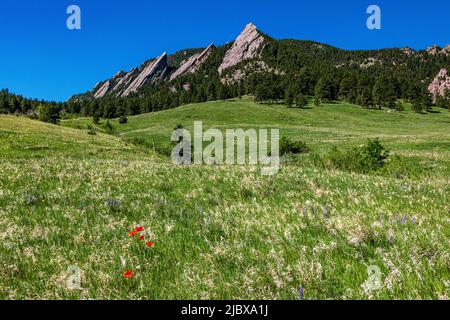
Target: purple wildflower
pixel 300 293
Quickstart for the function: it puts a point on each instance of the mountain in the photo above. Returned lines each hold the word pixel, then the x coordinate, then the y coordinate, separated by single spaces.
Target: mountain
pixel 247 46
pixel 254 60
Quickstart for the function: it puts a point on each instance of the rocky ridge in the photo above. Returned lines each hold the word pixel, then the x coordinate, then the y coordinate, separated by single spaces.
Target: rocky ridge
pixel 153 71
pixel 247 46
pixel 192 64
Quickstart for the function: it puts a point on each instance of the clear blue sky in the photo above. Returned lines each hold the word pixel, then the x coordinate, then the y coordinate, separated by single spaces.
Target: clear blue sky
pixel 41 58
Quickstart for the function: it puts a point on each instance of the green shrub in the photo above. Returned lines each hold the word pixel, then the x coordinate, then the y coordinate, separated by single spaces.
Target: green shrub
pixel 96 118
pixel 91 130
pixel 108 126
pixel 288 146
pixel 373 155
pixel 123 120
pixel 49 113
pixel 399 106
pixel 369 157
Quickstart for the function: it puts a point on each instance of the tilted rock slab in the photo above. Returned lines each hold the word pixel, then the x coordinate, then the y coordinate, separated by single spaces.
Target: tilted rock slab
pixel 123 82
pixel 153 71
pixel 192 64
pixel 440 85
pixel 246 46
pixel 100 93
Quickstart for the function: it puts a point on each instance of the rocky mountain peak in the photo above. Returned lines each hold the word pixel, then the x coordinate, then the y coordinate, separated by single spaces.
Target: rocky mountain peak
pixel 192 64
pixel 433 50
pixel 446 50
pixel 246 46
pixel 152 71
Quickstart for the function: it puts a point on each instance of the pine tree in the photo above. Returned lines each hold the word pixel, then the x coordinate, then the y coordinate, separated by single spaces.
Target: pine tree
pixel 96 118
pixel 289 98
pixel 300 100
pixel 324 91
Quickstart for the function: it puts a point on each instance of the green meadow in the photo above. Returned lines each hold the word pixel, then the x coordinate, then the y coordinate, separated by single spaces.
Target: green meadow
pixel 68 200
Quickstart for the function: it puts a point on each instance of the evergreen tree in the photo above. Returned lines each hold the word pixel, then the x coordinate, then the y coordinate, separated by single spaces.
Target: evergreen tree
pixel 48 113
pixel 96 118
pixel 289 98
pixel 300 100
pixel 324 91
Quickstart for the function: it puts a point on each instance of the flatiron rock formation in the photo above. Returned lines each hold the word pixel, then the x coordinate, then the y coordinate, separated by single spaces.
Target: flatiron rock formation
pixel 247 46
pixel 192 64
pixel 152 71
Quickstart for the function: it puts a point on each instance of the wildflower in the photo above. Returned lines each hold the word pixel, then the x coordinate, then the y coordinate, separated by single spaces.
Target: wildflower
pixel 139 228
pixel 141 237
pixel 132 233
pixel 149 244
pixel 128 274
pixel 300 293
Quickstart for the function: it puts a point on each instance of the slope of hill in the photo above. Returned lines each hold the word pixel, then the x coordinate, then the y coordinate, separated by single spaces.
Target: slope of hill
pixel 22 138
pixel 322 127
pixel 68 201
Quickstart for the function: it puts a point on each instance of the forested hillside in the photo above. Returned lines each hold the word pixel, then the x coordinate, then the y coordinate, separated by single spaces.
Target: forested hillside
pixel 275 71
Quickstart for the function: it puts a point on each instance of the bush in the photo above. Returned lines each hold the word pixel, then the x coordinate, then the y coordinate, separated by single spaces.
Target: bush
pixel 108 126
pixel 49 113
pixel 399 106
pixel 123 120
pixel 300 100
pixel 96 119
pixel 91 130
pixel 370 157
pixel 288 146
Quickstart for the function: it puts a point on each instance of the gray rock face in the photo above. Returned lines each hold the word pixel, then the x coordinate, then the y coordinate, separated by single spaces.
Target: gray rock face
pixel 435 50
pixel 100 93
pixel 123 82
pixel 192 64
pixel 152 71
pixel 440 86
pixel 247 46
pixel 446 50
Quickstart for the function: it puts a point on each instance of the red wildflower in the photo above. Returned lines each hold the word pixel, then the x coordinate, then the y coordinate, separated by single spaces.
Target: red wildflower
pixel 132 233
pixel 149 244
pixel 139 228
pixel 128 274
pixel 141 237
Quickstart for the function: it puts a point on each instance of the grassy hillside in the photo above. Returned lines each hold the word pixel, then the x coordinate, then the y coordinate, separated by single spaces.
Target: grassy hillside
pixel 25 138
pixel 421 138
pixel 68 200
pixel 322 126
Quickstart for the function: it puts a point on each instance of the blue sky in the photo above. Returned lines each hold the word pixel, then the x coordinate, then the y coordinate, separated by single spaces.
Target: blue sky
pixel 41 58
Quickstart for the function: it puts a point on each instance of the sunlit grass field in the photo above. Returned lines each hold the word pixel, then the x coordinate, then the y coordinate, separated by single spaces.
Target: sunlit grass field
pixel 68 201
